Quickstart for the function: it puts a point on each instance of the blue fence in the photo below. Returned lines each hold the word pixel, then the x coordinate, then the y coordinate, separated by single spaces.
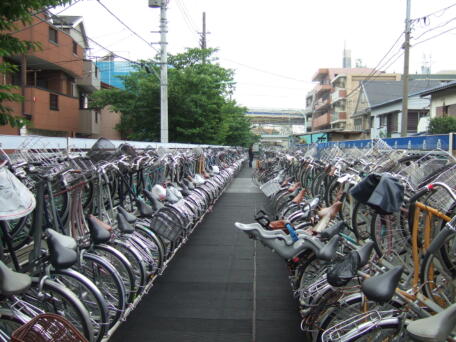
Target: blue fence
pixel 423 143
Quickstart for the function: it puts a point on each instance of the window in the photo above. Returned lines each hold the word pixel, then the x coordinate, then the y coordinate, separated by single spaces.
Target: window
pixel 53 37
pixel 83 101
pixel 358 124
pixel 75 48
pixel 53 102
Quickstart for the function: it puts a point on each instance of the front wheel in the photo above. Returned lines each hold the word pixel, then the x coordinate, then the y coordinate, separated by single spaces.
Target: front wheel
pixel 55 298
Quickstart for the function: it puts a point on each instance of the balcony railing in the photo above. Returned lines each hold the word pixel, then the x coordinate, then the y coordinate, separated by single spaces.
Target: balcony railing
pixel 320 104
pixel 338 94
pixel 338 116
pixel 90 80
pixel 322 88
pixel 89 122
pixel 321 121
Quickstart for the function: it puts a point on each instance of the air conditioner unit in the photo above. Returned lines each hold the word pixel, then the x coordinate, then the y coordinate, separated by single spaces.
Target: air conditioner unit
pixel 155 3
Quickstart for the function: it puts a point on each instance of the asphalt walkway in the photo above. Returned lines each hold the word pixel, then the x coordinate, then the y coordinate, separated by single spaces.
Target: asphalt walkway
pixel 222 286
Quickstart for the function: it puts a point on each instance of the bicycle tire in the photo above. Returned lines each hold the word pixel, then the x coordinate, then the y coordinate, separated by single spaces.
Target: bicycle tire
pixel 89 294
pixel 437 276
pixel 55 298
pixel 136 261
pixel 108 280
pixel 122 267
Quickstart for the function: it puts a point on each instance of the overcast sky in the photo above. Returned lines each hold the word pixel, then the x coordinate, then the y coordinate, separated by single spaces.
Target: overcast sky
pixel 276 46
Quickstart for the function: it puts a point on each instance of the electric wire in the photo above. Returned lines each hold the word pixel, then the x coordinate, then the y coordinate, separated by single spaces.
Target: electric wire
pixel 39 12
pixel 126 26
pixel 186 15
pixel 435 28
pixel 442 10
pixel 264 71
pixel 101 46
pixel 435 36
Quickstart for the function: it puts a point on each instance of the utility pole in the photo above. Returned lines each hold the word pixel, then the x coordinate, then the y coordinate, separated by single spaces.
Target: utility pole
pixel 162 4
pixel 405 89
pixel 163 74
pixel 203 41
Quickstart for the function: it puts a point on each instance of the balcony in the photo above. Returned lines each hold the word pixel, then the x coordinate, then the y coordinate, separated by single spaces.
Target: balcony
pixel 90 81
pixel 322 104
pixel 321 121
pixel 338 94
pixel 338 117
pixel 321 88
pixel 89 122
pixel 320 75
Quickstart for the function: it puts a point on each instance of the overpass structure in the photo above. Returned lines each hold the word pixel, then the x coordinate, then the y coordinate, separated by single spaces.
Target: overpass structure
pixel 276 125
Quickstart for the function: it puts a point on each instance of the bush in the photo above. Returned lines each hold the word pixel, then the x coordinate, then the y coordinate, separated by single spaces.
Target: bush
pixel 442 125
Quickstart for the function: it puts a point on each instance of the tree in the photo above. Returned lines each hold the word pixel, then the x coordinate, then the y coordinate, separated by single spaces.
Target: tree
pixel 442 125
pixel 199 104
pixel 13 12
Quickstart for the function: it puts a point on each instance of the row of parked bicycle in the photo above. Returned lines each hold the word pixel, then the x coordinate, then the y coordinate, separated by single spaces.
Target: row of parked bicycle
pixel 369 239
pixel 85 233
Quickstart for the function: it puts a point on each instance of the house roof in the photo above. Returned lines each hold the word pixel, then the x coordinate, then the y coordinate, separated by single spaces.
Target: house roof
pixel 438 88
pixel 379 93
pixel 382 92
pixel 67 20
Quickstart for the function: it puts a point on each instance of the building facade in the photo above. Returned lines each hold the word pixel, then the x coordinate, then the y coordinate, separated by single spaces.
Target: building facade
pixel 333 100
pixel 55 80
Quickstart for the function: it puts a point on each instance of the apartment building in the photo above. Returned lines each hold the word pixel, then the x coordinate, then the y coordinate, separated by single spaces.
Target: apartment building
pixel 56 81
pixel 333 100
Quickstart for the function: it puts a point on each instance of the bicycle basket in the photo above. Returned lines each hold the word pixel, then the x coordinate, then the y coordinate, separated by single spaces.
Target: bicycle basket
pixel 271 187
pixel 165 226
pixel 47 328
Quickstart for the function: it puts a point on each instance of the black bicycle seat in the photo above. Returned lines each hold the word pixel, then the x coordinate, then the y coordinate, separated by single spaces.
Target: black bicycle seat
pixel 144 209
pixel 124 226
pixel 12 283
pixel 98 233
pixel 365 252
pixel 60 256
pixel 130 217
pixel 381 288
pixel 328 252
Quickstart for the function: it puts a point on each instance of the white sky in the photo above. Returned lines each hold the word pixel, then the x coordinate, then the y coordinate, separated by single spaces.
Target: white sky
pixel 275 47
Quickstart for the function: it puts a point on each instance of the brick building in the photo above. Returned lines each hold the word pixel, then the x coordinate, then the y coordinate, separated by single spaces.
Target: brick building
pixel 56 81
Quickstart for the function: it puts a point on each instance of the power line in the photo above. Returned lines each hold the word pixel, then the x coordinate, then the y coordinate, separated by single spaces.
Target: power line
pixel 435 28
pixel 442 10
pixel 44 10
pixel 265 71
pixel 376 69
pixel 126 26
pixel 95 42
pixel 437 35
pixel 189 21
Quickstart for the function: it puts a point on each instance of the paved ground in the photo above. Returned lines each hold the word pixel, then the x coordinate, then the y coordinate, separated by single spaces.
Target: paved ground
pixel 222 286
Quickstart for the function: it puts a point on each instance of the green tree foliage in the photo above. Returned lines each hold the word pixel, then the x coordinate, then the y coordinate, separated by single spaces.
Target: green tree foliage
pixel 199 105
pixel 11 13
pixel 442 125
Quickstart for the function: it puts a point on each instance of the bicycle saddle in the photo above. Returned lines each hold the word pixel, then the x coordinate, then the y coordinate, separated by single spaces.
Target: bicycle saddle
pixel 98 230
pixel 330 211
pixel 65 240
pixel 144 209
pixel 12 283
pixel 326 215
pixel 435 328
pixel 335 229
pixel 156 204
pixel 299 197
pixel 380 288
pixel 365 252
pixel 129 217
pixel 123 225
pixel 60 256
pixel 328 251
